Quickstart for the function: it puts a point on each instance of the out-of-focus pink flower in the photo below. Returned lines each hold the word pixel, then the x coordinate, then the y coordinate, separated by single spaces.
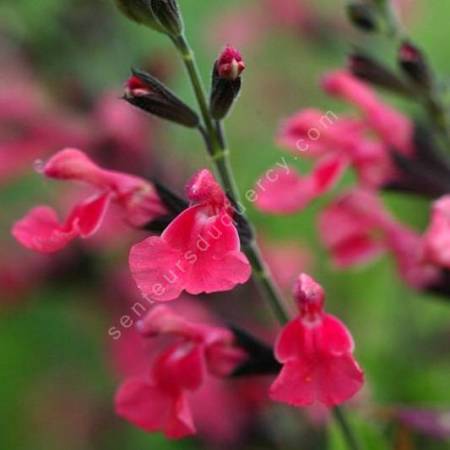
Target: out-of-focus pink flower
pixel 237 399
pixel 316 351
pixel 29 127
pixel 314 133
pixel 437 236
pixel 40 229
pixel 288 13
pixel 379 116
pixel 159 402
pixel 245 26
pixel 121 136
pixel 348 228
pixel 198 252
pixel 284 191
pixel 248 25
pixel 356 228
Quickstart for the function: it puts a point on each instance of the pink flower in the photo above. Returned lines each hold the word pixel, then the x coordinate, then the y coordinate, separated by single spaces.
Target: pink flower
pixel 316 351
pixel 437 236
pixel 40 229
pixel 315 133
pixel 159 401
pixel 198 252
pixel 356 228
pixel 30 127
pixel 284 191
pixel 348 227
pixel 380 117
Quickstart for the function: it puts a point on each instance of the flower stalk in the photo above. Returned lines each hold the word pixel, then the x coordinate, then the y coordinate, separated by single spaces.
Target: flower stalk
pixel 214 135
pixel 219 153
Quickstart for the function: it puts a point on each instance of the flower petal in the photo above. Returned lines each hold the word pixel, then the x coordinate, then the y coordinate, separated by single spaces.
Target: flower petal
pixel 153 409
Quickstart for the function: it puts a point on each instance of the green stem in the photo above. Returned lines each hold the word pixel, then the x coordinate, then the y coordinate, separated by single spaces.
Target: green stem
pixel 341 420
pixel 187 54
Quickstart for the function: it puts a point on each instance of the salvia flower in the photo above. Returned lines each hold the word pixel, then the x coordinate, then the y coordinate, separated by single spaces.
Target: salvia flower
pixel 198 252
pixel 159 401
pixel 285 191
pixel 312 133
pixel 149 94
pixel 226 82
pixel 316 351
pixel 379 116
pixel 356 228
pixel 437 236
pixel 41 230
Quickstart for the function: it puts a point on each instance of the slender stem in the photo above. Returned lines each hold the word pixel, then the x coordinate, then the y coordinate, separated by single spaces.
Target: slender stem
pixel 346 430
pixel 214 136
pixel 190 63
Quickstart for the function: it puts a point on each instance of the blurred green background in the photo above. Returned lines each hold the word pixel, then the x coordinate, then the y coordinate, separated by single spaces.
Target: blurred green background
pixel 54 374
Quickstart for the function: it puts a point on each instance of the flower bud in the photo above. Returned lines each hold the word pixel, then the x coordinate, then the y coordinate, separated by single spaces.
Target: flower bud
pixel 370 70
pixel 147 93
pixel 226 82
pixel 168 15
pixel 139 11
pixel 414 65
pixel 310 297
pixel 362 16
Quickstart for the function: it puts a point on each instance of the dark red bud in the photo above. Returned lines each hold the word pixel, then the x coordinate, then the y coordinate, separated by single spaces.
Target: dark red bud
pixel 414 64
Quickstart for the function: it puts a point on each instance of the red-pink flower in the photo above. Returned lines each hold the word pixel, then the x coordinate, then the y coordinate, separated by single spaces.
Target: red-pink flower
pixel 356 228
pixel 316 351
pixel 159 401
pixel 41 230
pixel 198 252
pixel 350 228
pixel 284 191
pixel 379 116
pixel 315 133
pixel 437 236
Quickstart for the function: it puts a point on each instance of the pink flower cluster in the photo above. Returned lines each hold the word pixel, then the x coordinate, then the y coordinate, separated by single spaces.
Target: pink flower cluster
pixel 356 227
pixel 199 252
pixel 159 400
